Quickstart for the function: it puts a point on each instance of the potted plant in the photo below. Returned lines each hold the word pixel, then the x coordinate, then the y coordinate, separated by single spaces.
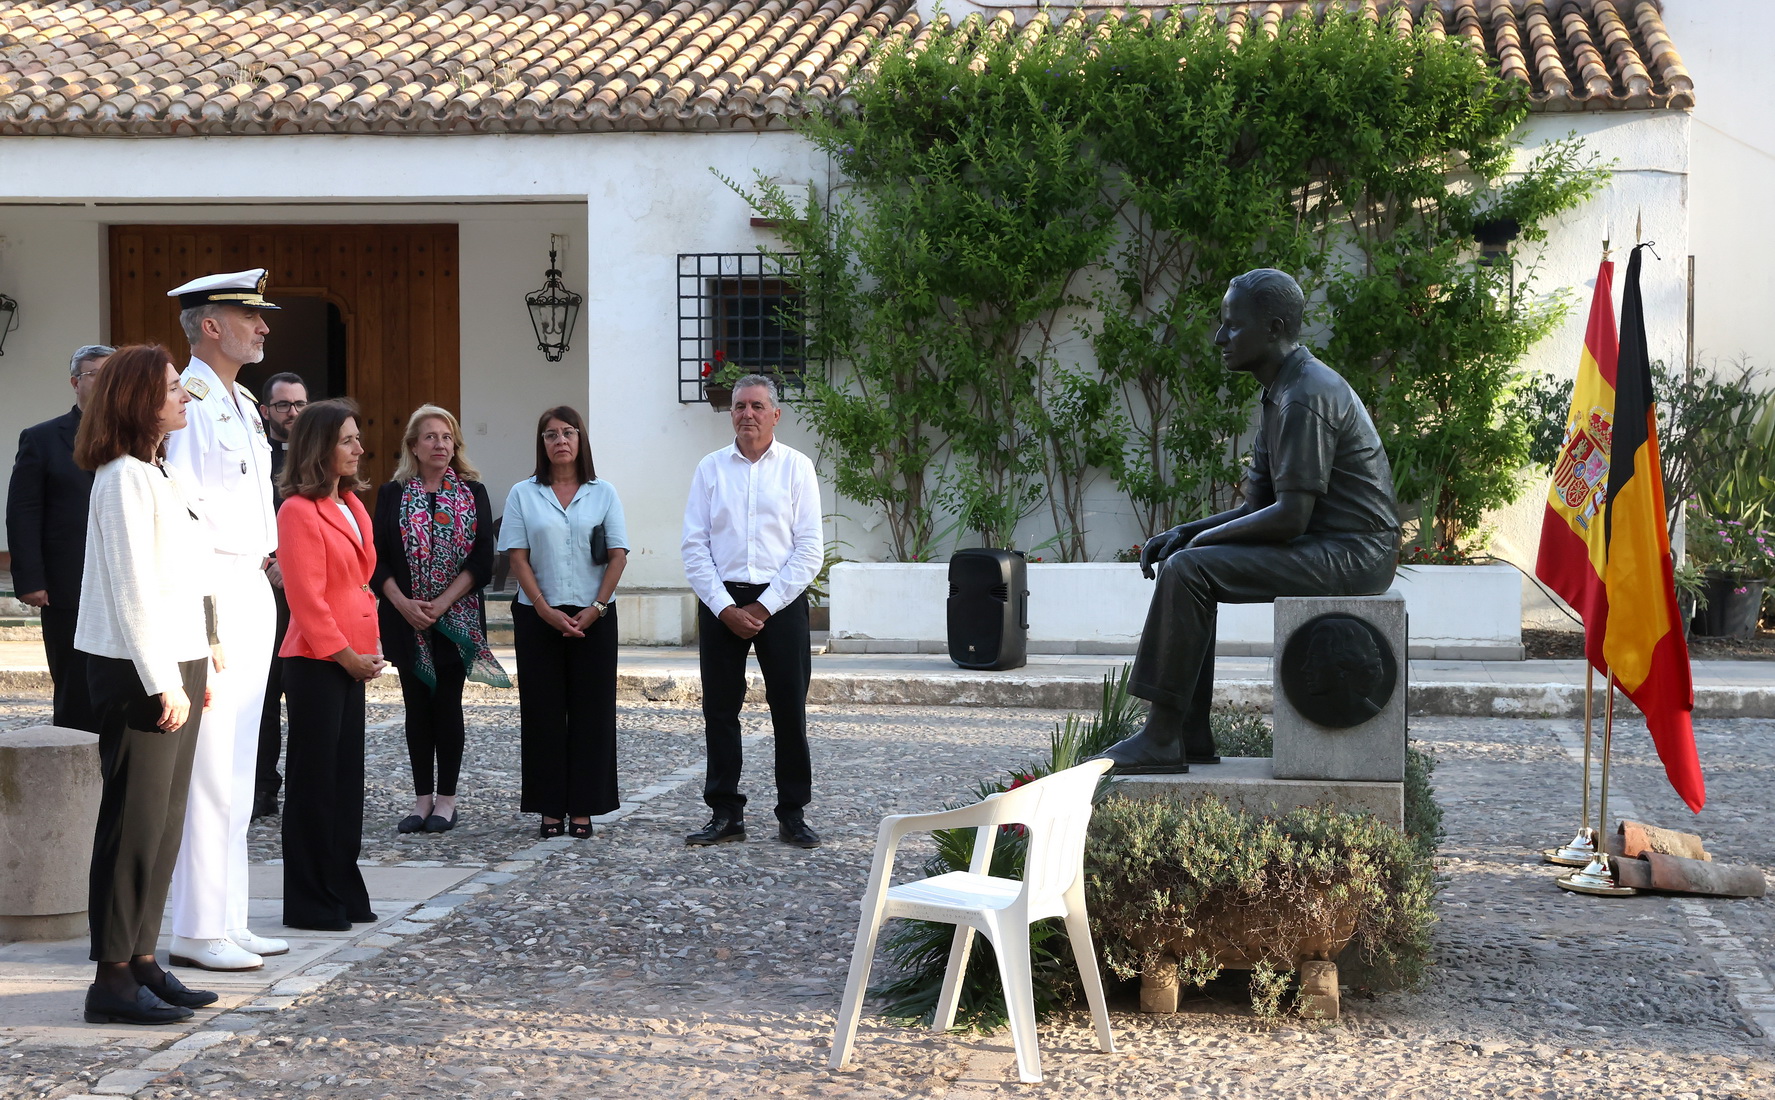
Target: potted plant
pixel 718 378
pixel 1737 559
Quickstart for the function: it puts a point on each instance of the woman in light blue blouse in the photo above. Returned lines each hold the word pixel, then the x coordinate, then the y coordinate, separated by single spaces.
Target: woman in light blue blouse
pixel 564 626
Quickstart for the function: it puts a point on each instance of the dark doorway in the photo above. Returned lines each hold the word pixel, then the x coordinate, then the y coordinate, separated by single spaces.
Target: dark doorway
pixel 308 339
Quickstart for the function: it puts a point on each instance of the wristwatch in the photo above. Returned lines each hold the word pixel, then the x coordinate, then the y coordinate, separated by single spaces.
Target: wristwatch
pixel 603 608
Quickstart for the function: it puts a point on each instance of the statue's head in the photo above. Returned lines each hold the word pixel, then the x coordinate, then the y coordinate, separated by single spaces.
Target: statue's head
pixel 1259 319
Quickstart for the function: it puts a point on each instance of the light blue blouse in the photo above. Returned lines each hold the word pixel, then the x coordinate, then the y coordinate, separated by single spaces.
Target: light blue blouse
pixel 560 539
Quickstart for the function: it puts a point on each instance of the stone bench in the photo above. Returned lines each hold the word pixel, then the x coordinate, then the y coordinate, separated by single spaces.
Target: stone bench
pixel 49 799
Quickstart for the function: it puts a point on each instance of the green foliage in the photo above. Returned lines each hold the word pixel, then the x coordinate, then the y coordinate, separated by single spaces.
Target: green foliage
pixel 1162 870
pixel 1020 281
pixel 1391 932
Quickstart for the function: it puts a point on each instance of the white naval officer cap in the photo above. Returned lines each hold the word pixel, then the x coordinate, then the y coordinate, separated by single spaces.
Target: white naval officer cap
pixel 236 288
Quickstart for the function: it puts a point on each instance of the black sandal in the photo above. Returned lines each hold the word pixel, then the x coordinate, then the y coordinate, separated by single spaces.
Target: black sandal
pixel 553 828
pixel 579 830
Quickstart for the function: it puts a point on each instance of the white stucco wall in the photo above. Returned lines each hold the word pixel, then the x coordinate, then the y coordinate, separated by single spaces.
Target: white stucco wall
pixel 1733 228
pixel 627 205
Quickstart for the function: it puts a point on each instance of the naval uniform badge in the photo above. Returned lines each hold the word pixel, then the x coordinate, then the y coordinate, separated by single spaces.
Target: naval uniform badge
pixel 197 388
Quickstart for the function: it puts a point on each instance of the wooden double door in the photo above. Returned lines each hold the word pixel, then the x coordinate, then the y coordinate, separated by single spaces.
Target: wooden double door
pixel 391 312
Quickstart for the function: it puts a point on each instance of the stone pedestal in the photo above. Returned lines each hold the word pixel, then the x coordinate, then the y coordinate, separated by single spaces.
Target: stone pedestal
pixel 49 799
pixel 1340 688
pixel 1249 783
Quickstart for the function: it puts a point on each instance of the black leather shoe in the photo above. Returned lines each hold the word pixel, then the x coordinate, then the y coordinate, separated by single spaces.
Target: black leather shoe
pixel 412 823
pixel 174 992
pixel 437 823
pixel 719 830
pixel 265 804
pixel 798 833
pixel 103 1007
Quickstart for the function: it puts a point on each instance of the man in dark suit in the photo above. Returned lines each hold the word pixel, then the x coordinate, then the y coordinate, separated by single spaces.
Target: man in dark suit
pixel 46 531
pixel 286 395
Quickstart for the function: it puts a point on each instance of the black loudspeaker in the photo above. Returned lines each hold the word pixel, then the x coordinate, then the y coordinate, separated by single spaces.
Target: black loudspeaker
pixel 988 609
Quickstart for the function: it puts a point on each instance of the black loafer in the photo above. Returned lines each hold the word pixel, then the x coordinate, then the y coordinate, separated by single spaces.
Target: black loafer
pixel 437 823
pixel 176 993
pixel 719 830
pixel 412 823
pixel 103 1007
pixel 797 833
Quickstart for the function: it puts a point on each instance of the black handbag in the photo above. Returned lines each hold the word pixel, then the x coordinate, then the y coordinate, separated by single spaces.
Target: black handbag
pixel 600 546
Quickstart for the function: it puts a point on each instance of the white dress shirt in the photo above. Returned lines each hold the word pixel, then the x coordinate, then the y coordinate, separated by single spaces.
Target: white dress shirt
pixel 754 523
pixel 141 597
pixel 226 459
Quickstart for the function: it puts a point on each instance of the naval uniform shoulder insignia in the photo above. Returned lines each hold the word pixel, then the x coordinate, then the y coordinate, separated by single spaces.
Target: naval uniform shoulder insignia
pixel 197 387
pixel 246 393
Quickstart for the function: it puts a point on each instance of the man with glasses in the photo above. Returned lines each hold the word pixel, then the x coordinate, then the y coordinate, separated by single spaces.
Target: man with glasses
pixel 46 530
pixel 286 395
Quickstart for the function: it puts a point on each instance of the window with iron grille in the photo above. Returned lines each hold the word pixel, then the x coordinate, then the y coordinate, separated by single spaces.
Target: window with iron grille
pixel 741 309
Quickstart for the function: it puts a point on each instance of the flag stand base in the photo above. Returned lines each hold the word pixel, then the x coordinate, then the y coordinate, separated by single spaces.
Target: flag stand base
pixel 1596 880
pixel 1578 852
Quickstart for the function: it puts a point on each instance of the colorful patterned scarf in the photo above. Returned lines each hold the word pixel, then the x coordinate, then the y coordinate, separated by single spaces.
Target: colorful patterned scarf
pixel 437 533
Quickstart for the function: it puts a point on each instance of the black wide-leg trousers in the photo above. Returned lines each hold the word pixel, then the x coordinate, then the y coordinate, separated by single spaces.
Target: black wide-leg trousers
pixel 266 781
pixel 1174 664
pixel 785 661
pixel 323 818
pixel 75 708
pixel 567 711
pixel 146 773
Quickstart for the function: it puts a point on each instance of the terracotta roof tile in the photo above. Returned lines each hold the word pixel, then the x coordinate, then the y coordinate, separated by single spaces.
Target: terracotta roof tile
pixel 103 67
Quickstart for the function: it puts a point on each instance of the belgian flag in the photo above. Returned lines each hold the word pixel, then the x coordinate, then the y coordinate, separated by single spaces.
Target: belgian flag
pixel 1643 640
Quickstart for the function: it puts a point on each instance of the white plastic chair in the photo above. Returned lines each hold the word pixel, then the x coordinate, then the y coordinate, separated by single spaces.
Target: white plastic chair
pixel 1056 810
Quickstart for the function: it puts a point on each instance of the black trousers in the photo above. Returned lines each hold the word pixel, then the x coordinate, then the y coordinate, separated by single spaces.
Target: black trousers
pixel 271 725
pixel 323 819
pixel 146 773
pixel 783 657
pixel 434 719
pixel 1175 661
pixel 74 708
pixel 567 715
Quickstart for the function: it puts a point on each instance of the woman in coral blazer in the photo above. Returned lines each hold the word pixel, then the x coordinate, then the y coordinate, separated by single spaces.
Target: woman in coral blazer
pixel 325 547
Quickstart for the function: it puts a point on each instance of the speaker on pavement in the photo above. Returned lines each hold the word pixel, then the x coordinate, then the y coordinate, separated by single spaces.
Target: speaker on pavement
pixel 988 609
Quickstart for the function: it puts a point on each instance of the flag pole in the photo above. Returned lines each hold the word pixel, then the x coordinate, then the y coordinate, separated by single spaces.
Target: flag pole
pixel 1598 878
pixel 1582 847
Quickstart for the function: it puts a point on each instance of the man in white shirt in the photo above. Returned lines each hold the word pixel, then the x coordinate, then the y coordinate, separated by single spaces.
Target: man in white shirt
pixel 751 547
pixel 226 458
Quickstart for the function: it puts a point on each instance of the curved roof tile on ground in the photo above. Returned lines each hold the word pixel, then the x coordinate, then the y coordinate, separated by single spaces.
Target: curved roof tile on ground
pixel 105 67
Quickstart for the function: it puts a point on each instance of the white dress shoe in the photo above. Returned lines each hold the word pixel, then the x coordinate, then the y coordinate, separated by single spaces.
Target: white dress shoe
pixel 213 955
pixel 259 945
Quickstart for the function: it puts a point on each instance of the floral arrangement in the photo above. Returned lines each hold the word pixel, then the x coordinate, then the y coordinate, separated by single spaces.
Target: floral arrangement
pixel 1730 546
pixel 1434 555
pixel 719 372
pixel 1132 553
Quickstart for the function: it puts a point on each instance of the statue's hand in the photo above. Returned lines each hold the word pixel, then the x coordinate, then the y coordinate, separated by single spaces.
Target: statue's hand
pixel 1157 549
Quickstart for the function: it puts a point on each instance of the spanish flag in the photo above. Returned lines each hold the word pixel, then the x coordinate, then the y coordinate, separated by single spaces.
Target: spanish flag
pixel 1574 546
pixel 1643 637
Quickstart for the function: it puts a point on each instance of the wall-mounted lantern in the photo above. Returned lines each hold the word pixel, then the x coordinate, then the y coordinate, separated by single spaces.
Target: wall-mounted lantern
pixel 553 311
pixel 8 319
pixel 1494 239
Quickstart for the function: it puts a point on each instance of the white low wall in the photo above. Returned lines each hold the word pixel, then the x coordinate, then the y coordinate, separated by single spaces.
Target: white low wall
pixel 1457 612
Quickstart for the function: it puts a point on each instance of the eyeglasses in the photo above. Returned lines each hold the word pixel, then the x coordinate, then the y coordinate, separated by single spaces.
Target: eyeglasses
pixel 286 406
pixel 85 374
pixel 552 436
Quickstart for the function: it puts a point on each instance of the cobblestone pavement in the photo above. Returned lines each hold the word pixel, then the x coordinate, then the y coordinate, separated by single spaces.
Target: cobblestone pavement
pixel 628 965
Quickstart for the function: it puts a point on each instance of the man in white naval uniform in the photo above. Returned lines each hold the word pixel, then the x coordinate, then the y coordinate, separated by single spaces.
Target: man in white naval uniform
pixel 223 451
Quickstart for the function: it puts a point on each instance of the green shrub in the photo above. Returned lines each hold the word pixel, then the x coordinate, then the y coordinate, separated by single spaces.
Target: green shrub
pixel 1160 868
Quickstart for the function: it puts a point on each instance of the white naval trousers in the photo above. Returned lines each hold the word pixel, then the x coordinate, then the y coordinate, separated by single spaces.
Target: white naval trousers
pixel 209 891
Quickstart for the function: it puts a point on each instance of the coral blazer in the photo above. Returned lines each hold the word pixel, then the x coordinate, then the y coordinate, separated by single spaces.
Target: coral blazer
pixel 326 578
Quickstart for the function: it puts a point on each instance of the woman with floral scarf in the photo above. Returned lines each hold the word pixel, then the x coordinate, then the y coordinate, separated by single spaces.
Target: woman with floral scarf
pixel 434 554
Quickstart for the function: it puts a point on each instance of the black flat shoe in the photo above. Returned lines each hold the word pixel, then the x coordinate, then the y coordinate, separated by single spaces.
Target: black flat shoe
pixel 438 824
pixel 103 1007
pixel 553 828
pixel 579 830
pixel 319 925
pixel 176 993
pixel 719 830
pixel 412 823
pixel 366 917
pixel 798 834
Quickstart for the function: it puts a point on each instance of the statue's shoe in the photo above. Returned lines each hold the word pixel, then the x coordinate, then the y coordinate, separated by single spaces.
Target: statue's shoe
pixel 1143 755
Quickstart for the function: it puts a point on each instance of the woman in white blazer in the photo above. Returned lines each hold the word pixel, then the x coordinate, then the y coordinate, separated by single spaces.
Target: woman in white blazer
pixel 148 626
